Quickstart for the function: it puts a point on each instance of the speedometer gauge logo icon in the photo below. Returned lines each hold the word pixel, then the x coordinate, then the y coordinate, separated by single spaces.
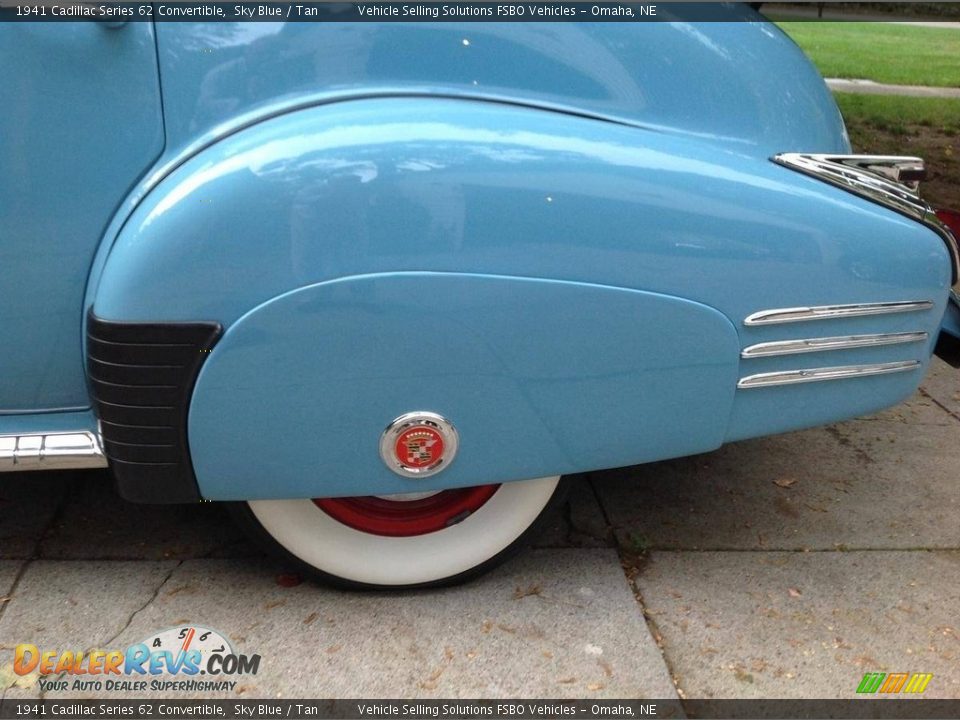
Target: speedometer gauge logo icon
pixel 185 638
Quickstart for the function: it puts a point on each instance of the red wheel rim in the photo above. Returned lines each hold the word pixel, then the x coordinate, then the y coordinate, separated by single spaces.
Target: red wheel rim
pixel 405 518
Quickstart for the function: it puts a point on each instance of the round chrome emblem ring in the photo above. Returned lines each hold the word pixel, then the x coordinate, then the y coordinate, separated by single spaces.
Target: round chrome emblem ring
pixel 419 444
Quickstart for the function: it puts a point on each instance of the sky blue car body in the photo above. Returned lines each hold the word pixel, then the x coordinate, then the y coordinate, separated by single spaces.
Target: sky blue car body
pixel 551 234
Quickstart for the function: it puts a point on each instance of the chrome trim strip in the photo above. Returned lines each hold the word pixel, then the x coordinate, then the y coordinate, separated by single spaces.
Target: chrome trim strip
pixel 832 312
pixel 45 410
pixel 845 342
pixel 875 177
pixel 49 451
pixel 887 180
pixel 791 377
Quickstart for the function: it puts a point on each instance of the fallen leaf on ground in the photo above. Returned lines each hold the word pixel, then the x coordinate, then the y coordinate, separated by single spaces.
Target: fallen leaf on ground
pixel 794 592
pixel 431 682
pixel 520 592
pixel 289 580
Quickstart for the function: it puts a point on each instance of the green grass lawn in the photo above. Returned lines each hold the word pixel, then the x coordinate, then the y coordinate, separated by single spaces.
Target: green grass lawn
pixel 898 54
pixel 897 114
pixel 927 127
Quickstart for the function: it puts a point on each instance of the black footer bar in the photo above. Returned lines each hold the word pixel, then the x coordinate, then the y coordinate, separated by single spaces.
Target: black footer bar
pixel 151 709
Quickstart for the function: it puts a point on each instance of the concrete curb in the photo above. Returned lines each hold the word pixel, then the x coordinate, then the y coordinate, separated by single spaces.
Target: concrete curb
pixel 869 87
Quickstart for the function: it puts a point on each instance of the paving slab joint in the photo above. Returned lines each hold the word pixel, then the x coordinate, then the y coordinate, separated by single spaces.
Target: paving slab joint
pixel 575 527
pixel 4 605
pixel 632 566
pixel 34 555
pixel 939 404
pixel 109 642
pixel 610 535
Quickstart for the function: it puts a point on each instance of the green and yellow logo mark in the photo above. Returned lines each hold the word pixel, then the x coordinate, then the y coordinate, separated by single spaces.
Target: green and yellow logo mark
pixel 879 682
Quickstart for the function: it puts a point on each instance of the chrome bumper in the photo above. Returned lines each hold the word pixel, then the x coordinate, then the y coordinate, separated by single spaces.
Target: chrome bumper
pixel 51 451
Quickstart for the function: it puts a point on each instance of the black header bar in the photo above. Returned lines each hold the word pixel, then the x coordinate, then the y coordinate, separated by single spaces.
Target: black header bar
pixel 115 13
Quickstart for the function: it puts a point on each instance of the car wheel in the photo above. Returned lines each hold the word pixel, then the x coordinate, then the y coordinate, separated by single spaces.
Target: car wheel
pixel 399 541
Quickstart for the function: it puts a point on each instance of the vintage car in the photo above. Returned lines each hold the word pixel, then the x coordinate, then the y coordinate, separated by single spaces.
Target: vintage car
pixel 380 285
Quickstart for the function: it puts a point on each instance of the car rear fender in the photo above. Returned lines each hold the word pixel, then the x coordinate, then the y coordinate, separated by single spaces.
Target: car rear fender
pixel 539 377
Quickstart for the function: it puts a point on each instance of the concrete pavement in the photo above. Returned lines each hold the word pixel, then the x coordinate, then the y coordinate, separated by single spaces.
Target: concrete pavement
pixel 781 567
pixel 789 624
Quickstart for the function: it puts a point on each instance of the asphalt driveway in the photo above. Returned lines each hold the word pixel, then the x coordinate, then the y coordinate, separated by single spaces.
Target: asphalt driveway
pixel 782 567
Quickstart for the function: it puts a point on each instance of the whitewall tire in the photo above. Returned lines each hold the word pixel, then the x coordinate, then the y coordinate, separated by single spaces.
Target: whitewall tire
pixel 404 541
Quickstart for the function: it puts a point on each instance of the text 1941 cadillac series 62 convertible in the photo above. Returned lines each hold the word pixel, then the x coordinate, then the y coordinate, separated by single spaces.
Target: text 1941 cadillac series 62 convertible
pixel 381 285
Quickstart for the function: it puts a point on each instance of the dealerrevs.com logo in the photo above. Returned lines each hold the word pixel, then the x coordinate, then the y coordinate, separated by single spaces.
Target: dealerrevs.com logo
pixel 187 659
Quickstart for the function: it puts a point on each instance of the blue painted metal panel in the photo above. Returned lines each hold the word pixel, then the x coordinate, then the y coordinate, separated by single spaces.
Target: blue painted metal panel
pixel 80 121
pixel 743 84
pixel 720 82
pixel 539 377
pixel 320 176
pixel 759 412
pixel 447 185
pixel 766 411
pixel 51 422
pixel 388 185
